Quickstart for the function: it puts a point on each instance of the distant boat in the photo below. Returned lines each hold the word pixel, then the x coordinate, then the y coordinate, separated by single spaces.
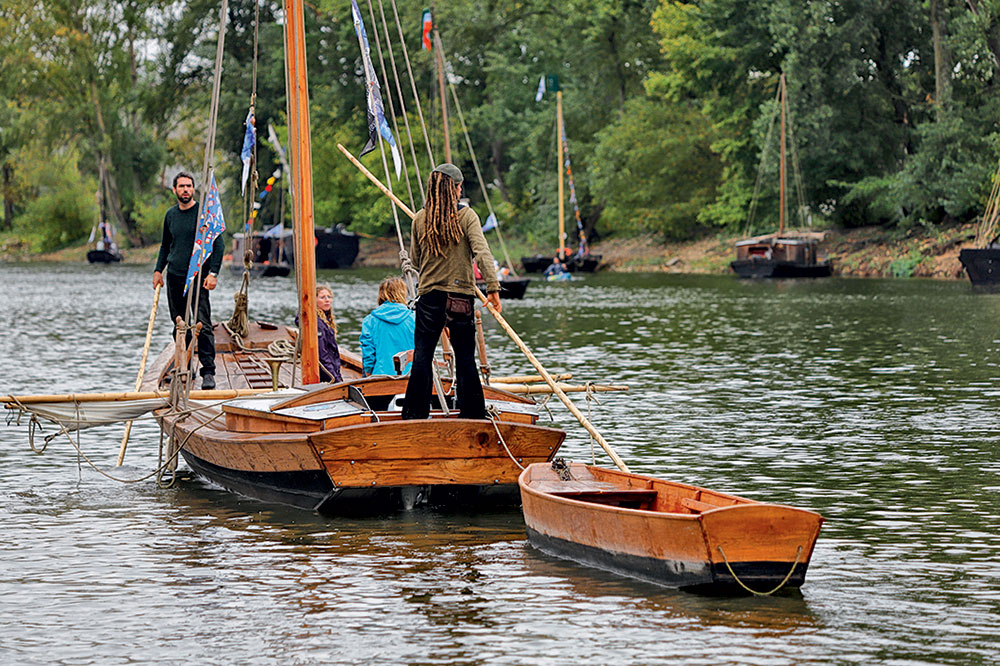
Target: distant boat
pixel 510 287
pixel 781 256
pixel 982 263
pixel 664 532
pixel 105 249
pixel 335 248
pixel 269 253
pixel 784 254
pixel 582 261
pixel 102 256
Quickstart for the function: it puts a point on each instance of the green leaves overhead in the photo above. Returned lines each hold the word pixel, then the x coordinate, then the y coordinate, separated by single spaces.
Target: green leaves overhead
pixel 667 106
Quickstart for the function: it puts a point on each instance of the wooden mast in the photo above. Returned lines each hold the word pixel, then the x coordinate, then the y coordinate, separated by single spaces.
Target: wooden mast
pixel 444 100
pixel 560 166
pixel 781 210
pixel 301 186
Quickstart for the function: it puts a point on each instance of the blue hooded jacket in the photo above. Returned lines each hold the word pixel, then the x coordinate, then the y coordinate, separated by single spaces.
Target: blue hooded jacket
pixel 385 332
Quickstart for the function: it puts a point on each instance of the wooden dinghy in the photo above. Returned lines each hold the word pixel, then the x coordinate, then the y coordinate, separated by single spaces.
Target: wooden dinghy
pixel 664 532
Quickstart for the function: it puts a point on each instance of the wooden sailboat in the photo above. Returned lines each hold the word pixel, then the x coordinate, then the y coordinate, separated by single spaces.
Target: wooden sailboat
pixel 340 448
pixel 582 260
pixel 782 254
pixel 664 532
pixel 982 263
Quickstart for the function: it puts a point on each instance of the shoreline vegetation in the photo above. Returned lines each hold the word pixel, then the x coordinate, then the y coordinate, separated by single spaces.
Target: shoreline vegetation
pixel 862 252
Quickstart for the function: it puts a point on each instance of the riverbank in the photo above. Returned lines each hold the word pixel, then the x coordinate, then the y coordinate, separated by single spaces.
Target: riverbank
pixel 862 252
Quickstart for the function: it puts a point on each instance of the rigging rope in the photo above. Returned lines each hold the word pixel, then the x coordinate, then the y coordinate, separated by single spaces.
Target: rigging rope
pixel 479 175
pixel 751 213
pixel 416 97
pixel 385 77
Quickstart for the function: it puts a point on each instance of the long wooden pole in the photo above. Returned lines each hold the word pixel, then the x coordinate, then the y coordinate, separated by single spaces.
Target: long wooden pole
pixel 510 331
pixel 142 370
pixel 562 221
pixel 781 210
pixel 444 100
pixel 305 237
pixel 11 401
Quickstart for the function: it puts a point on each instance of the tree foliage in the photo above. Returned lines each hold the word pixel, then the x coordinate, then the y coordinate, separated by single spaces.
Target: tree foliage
pixel 667 107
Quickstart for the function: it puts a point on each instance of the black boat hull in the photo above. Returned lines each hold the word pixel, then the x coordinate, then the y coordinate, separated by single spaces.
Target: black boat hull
pixel 769 268
pixel 510 288
pixel 312 490
pixel 103 257
pixel 694 577
pixel 982 265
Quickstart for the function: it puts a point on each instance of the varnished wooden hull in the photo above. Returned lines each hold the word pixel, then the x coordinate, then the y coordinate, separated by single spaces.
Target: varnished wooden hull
pixel 667 533
pixel 357 460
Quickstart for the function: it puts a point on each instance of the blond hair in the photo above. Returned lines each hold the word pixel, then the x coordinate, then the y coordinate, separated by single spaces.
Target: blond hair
pixel 441 228
pixel 327 317
pixel 392 289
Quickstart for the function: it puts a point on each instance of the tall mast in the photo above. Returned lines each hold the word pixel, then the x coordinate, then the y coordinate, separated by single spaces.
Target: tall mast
pixel 781 211
pixel 444 99
pixel 559 132
pixel 301 186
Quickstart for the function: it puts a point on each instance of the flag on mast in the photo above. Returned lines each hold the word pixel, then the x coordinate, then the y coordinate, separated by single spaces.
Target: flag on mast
pixel 377 123
pixel 210 225
pixel 246 154
pixel 426 28
pixel 541 89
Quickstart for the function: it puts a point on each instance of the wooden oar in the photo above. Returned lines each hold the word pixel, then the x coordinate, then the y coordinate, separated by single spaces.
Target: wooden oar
pixel 11 401
pixel 510 331
pixel 142 369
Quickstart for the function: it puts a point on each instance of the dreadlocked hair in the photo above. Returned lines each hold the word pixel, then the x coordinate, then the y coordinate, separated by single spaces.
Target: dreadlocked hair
pixel 441 228
pixel 327 317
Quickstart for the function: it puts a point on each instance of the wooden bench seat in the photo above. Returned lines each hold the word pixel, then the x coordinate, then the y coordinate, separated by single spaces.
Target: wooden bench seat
pixel 632 498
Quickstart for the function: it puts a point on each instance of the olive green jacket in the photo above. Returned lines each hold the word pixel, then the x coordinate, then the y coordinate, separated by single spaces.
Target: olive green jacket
pixel 453 271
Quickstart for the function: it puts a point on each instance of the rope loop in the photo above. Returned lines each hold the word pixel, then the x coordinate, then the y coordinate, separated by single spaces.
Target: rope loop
pixel 732 573
pixel 494 415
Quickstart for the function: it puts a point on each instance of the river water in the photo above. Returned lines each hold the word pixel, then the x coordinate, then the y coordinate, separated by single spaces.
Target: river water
pixel 873 402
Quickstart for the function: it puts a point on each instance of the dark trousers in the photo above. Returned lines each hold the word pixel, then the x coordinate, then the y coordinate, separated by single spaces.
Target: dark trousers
pixel 432 317
pixel 178 302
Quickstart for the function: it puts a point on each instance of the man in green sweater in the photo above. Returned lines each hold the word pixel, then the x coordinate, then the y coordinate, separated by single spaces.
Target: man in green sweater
pixel 180 226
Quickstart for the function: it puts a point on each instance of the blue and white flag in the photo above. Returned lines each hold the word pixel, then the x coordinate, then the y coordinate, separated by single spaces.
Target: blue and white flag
pixel 491 223
pixel 210 225
pixel 376 114
pixel 249 139
pixel 541 89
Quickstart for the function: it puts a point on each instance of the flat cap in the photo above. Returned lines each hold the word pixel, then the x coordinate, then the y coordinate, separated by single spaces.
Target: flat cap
pixel 451 171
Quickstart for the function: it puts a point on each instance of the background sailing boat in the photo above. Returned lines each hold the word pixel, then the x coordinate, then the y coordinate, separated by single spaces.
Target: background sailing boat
pixel 784 253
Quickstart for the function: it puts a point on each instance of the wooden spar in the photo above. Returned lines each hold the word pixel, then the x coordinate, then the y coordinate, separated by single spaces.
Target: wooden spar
pixel 301 184
pixel 510 332
pixel 522 389
pixel 142 369
pixel 527 379
pixel 444 100
pixel 781 210
pixel 552 384
pixel 11 401
pixel 560 166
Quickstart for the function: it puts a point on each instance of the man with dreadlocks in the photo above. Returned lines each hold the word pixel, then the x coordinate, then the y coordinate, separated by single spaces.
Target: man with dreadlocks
pixel 445 239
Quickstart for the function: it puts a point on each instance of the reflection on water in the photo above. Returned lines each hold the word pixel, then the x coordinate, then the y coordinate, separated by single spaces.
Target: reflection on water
pixel 872 402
